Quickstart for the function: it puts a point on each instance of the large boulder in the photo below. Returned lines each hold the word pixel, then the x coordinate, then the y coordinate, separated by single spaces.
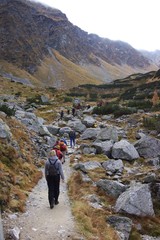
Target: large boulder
pixel 88 121
pixel 53 129
pixel 90 133
pixel 136 200
pixel 5 132
pixel 112 188
pixel 148 147
pixel 77 125
pixel 104 147
pixel 114 166
pixel 109 133
pixel 124 150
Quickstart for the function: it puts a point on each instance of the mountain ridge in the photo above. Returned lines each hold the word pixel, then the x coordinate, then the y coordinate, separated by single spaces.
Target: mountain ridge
pixel 31 32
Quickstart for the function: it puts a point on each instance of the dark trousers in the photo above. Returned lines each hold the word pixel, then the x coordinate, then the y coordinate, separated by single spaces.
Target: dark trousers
pixel 53 183
pixel 72 141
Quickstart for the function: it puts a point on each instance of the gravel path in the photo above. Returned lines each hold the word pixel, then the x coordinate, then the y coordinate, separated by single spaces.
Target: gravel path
pixel 39 222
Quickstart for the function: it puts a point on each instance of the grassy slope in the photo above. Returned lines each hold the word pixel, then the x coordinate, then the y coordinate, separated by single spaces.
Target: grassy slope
pixel 59 72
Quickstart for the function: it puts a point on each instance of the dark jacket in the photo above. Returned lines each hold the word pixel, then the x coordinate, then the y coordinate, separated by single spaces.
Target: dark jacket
pixel 72 134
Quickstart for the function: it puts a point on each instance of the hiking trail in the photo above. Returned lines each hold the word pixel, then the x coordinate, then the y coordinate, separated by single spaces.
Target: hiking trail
pixel 39 222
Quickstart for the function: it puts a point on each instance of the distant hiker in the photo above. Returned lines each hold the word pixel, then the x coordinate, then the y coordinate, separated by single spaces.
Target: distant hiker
pixel 58 152
pixel 72 137
pixel 63 139
pixel 53 172
pixel 68 111
pixel 61 115
pixel 63 149
pixel 73 111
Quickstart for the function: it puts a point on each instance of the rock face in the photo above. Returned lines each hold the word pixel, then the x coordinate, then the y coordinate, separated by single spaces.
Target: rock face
pixel 30 31
pixel 136 200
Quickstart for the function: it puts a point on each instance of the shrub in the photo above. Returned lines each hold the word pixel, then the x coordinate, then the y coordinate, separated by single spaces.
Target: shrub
pixel 123 111
pixel 67 99
pixel 93 96
pixel 107 109
pixel 145 105
pixel 77 94
pixel 113 108
pixel 7 110
pixel 152 123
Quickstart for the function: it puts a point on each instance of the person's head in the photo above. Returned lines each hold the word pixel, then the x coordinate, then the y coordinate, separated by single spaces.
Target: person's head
pixel 57 147
pixel 52 153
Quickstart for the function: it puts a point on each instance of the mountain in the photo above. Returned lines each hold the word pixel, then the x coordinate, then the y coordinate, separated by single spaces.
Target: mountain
pixel 153 56
pixel 50 51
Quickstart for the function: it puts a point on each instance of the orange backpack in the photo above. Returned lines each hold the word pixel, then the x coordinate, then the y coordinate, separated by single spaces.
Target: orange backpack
pixel 63 146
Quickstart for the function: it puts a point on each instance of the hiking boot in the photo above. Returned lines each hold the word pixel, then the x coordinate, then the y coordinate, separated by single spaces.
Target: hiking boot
pixel 56 203
pixel 52 205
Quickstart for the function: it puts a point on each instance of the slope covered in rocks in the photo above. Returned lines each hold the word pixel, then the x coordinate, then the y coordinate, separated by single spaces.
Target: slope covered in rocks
pixel 116 163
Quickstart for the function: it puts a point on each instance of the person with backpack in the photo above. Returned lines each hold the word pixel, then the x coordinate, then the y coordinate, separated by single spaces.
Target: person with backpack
pixel 53 173
pixel 58 152
pixel 63 149
pixel 72 137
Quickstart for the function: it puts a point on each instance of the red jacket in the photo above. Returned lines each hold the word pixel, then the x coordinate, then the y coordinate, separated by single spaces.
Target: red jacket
pixel 58 153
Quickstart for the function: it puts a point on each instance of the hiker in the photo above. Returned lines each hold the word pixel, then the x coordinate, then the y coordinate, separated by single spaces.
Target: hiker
pixel 68 111
pixel 63 149
pixel 58 152
pixel 73 111
pixel 61 115
pixel 53 178
pixel 64 140
pixel 72 137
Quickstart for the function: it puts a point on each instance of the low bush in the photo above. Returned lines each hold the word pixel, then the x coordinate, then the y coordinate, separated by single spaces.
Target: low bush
pixel 112 108
pixel 152 123
pixel 77 94
pixel 7 110
pixel 145 105
pixel 67 99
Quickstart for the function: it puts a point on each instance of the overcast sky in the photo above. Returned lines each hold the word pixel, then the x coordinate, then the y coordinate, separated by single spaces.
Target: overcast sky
pixel 133 21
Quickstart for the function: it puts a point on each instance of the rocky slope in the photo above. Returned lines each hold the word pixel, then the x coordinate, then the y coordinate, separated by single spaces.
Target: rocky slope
pixel 116 162
pixel 153 56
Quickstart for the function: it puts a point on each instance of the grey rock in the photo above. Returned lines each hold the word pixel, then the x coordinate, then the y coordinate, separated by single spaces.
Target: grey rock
pixel 136 200
pixel 112 188
pixel 124 150
pixel 121 224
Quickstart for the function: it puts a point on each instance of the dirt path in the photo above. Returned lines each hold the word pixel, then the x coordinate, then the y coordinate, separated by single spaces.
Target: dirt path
pixel 39 222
